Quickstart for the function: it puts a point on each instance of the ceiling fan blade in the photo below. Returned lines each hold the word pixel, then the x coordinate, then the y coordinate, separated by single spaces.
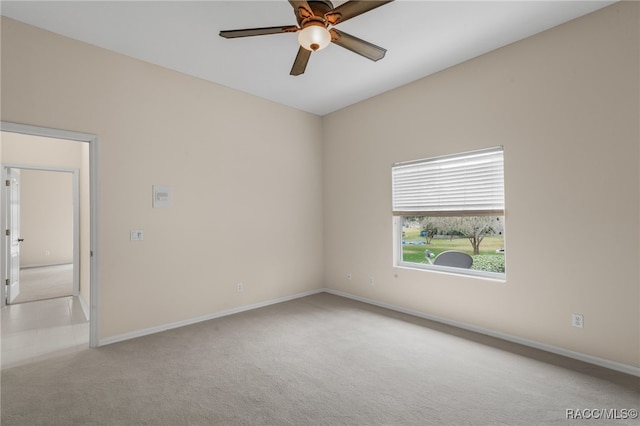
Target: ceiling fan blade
pixel 300 64
pixel 249 32
pixel 352 9
pixel 357 45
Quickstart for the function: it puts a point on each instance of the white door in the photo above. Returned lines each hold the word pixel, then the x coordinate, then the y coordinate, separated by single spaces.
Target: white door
pixel 13 239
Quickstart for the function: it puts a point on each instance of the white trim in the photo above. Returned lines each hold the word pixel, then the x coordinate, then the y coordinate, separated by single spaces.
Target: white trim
pixel 38 167
pixel 26 129
pixel 84 306
pixel 612 365
pixel 177 324
pixel 499 277
pixel 44 265
pixel 93 182
pixel 94 286
pixel 3 247
pixel 76 232
pixel 602 362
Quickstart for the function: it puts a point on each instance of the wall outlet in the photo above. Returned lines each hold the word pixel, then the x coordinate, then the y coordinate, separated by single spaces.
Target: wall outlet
pixel 372 281
pixel 577 320
pixel 239 287
pixel 349 277
pixel 137 235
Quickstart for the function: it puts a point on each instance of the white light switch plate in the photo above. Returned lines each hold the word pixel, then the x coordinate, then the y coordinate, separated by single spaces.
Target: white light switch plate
pixel 161 196
pixel 137 235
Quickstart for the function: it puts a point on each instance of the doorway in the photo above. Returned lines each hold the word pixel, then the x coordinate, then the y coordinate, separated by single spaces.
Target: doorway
pixel 84 219
pixel 44 232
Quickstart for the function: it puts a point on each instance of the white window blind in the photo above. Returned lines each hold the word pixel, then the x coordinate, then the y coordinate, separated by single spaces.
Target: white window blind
pixel 469 184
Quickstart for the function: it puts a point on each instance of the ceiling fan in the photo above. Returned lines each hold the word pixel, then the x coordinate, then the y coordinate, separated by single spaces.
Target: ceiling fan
pixel 316 21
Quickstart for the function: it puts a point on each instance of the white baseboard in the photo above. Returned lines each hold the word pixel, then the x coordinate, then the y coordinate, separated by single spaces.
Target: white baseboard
pixel 83 305
pixel 44 265
pixel 158 329
pixel 602 362
pixel 612 365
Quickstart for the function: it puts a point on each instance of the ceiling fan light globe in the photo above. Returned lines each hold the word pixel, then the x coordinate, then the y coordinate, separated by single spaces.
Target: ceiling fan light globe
pixel 314 37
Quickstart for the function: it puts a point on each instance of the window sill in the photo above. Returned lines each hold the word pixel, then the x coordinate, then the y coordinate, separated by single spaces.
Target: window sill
pixel 467 273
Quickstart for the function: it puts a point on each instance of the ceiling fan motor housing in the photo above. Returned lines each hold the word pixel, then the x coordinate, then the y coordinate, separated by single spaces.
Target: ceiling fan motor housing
pixel 319 8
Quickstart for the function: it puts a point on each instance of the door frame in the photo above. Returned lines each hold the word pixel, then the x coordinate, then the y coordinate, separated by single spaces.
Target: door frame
pixel 11 218
pixel 75 184
pixel 92 140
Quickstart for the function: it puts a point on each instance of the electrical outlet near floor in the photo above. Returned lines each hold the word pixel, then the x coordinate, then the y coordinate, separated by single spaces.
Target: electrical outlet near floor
pixel 372 281
pixel 349 277
pixel 239 287
pixel 577 320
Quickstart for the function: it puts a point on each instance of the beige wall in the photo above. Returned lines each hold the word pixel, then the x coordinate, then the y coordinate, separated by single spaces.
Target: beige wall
pixel 245 174
pixel 44 152
pixel 564 104
pixel 46 217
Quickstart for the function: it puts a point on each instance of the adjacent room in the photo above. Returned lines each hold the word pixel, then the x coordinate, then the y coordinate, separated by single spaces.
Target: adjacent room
pixel 410 226
pixel 47 300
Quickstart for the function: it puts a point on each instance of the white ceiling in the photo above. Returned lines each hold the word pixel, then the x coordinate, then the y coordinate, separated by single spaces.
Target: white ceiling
pixel 422 37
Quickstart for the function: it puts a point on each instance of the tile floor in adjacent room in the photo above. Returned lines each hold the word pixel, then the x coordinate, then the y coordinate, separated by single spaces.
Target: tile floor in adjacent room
pixel 38 330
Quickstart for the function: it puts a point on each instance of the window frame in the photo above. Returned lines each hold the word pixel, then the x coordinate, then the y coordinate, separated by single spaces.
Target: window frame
pixel 398 261
pixel 398 222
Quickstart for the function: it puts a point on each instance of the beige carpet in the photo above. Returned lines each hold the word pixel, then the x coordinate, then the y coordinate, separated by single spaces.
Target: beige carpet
pixel 319 360
pixel 46 282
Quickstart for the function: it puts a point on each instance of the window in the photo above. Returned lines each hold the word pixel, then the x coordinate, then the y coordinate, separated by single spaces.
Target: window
pixel 449 213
